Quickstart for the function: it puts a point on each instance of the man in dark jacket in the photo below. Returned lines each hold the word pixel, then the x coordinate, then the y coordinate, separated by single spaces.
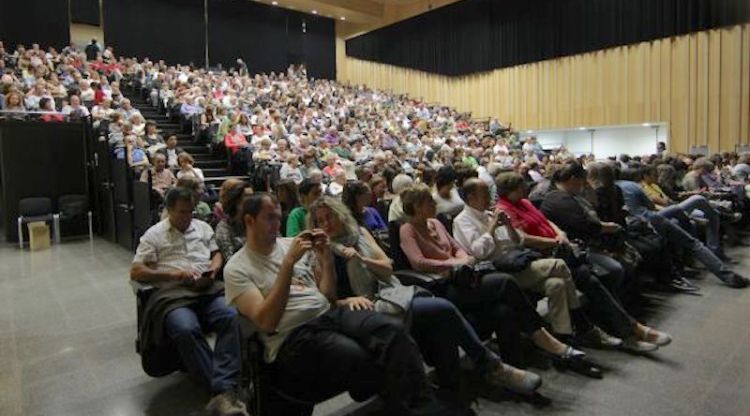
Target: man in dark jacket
pixel 92 50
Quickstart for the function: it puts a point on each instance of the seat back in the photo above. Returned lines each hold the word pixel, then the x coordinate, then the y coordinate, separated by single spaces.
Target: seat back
pixel 383 206
pixel 400 261
pixel 72 206
pixel 447 221
pixel 34 207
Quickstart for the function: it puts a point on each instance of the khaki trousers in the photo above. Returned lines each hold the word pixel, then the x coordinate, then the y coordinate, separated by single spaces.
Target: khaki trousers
pixel 552 278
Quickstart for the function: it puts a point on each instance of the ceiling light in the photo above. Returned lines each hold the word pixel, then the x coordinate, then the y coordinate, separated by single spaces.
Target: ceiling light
pixel 315 12
pixel 529 131
pixel 343 18
pixel 646 125
pixel 582 128
pixel 275 3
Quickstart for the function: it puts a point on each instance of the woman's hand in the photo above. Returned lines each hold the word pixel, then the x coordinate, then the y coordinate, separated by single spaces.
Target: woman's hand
pixel 562 239
pixel 321 244
pixel 350 253
pixel 357 303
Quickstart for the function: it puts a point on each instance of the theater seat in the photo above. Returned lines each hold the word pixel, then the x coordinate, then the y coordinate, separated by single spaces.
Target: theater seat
pixel 401 267
pixel 76 208
pixel 262 384
pixel 37 209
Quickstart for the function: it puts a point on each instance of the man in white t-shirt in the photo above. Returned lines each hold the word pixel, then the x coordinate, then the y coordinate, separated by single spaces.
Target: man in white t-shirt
pixel 286 288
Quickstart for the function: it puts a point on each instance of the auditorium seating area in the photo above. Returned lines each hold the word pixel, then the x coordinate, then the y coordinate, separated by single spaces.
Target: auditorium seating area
pixel 552 264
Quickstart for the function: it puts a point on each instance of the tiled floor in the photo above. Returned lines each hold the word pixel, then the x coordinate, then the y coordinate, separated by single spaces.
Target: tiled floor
pixel 67 325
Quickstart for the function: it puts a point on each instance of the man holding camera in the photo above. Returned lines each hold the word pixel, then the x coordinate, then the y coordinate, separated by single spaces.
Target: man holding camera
pixel 287 287
pixel 179 256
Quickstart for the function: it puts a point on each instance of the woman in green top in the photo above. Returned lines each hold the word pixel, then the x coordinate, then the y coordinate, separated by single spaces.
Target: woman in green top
pixel 309 192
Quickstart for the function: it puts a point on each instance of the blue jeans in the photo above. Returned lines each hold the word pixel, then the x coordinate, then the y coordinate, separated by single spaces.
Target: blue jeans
pixel 615 278
pixel 678 237
pixel 680 211
pixel 439 329
pixel 217 370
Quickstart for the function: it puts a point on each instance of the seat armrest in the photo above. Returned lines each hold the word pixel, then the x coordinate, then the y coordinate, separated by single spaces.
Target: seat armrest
pixel 142 290
pixel 415 278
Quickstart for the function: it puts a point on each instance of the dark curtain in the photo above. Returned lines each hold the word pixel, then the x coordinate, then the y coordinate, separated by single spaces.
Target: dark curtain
pixel 270 38
pixel 172 30
pixel 34 21
pixel 84 11
pixel 480 35
pixel 248 30
pixel 319 47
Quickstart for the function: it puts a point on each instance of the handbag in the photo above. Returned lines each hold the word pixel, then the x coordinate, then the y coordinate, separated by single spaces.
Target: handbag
pixel 470 277
pixel 572 254
pixel 516 260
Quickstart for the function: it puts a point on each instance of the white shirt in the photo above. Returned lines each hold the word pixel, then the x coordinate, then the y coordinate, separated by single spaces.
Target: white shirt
pixel 168 249
pixel 451 206
pixel 470 229
pixel 536 176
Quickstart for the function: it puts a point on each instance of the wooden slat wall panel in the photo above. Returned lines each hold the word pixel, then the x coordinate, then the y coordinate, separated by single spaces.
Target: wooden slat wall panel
pixel 731 64
pixel 698 83
pixel 714 89
pixel 745 87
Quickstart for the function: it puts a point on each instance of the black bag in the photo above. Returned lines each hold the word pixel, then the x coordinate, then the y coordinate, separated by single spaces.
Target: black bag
pixel 516 260
pixel 572 254
pixel 470 277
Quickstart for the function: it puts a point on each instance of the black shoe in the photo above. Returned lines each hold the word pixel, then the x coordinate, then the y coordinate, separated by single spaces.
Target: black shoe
pixel 575 361
pixel 737 282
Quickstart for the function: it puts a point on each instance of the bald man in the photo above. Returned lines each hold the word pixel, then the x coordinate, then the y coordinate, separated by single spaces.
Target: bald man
pixel 490 236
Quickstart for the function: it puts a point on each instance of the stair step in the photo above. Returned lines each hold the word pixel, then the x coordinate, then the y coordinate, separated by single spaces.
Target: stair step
pixel 211 164
pixel 214 172
pixel 218 180
pixel 196 149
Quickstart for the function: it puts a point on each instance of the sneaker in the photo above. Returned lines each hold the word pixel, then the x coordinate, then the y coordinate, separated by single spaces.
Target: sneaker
pixel 597 338
pixel 637 346
pixel 658 338
pixel 681 284
pixel 513 379
pixel 227 404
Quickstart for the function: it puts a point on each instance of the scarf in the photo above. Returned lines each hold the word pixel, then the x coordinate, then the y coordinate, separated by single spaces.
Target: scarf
pixel 391 297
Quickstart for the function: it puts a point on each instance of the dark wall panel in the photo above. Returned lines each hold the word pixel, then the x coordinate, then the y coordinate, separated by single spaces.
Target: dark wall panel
pixel 480 35
pixel 251 31
pixel 320 47
pixel 84 11
pixel 56 167
pixel 172 30
pixel 34 21
pixel 270 38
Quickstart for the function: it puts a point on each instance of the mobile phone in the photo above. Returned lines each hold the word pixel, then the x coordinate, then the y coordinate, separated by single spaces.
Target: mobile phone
pixel 307 235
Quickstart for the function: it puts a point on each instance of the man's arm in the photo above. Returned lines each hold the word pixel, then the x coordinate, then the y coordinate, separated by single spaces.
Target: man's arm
pixel 479 243
pixel 266 312
pixel 142 272
pixel 217 260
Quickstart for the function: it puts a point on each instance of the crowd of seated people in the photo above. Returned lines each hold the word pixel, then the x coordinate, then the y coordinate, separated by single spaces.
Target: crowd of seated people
pixel 495 222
